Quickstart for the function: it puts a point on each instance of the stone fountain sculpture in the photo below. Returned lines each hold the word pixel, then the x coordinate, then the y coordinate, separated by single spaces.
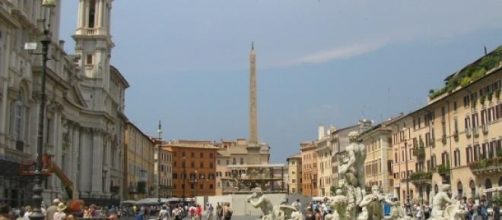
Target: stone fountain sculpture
pixel 258 200
pixel 444 208
pixel 350 187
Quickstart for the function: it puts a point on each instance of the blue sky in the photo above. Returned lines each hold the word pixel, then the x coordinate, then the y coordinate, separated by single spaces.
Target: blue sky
pixel 329 62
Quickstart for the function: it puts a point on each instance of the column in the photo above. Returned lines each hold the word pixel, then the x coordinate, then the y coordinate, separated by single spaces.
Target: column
pixel 75 149
pixel 97 162
pixel 86 160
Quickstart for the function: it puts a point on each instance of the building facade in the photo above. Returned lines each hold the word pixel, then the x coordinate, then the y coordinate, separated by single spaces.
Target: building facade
pixel 454 139
pixel 85 121
pixel 166 173
pixel 295 174
pixel 309 169
pixel 324 151
pixel 378 162
pixel 194 168
pixel 138 164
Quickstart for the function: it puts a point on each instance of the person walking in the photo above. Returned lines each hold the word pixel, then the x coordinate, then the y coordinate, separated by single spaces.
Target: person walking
pixel 219 211
pixel 227 211
pixel 163 214
pixel 209 210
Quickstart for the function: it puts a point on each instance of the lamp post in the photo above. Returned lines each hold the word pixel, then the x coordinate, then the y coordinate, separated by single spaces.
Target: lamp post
pixel 194 184
pixel 184 178
pixel 37 188
pixel 407 172
pixel 159 131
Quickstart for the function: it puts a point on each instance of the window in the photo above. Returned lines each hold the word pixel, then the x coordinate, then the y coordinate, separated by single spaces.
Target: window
pixel 88 59
pixel 201 165
pixel 468 154
pixel 456 155
pixel 92 14
pixel 201 155
pixel 242 160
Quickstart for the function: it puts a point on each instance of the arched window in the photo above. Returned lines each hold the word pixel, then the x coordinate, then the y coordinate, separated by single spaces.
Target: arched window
pixel 18 113
pixel 488 185
pixel 460 190
pixel 472 186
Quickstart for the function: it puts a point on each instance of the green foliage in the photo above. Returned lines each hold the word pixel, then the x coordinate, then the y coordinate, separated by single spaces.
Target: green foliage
pixel 497 200
pixel 470 73
pixel 421 176
pixel 465 81
pixel 443 169
pixel 497 93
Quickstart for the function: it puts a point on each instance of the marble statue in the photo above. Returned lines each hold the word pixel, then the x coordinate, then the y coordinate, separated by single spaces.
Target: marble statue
pixel 258 200
pixel 339 204
pixel 373 204
pixel 351 164
pixel 445 208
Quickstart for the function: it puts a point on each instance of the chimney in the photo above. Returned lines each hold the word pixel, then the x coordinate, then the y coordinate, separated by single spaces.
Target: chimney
pixel 321 132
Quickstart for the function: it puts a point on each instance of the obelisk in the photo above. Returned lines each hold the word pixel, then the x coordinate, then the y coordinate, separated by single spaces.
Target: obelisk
pixel 253 122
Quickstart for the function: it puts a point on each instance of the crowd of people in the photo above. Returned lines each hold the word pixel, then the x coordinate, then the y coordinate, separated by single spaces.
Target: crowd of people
pixel 221 211
pixel 60 210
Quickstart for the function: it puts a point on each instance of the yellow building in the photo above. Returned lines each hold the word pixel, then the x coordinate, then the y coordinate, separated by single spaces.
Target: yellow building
pixel 295 174
pixel 138 164
pixel 378 163
pixel 309 169
pixel 324 170
pixel 455 138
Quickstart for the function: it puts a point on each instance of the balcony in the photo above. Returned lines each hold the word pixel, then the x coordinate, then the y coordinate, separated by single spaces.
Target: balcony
pixel 443 170
pixel 421 178
pixel 475 132
pixel 487 166
pixel 485 128
pixel 468 132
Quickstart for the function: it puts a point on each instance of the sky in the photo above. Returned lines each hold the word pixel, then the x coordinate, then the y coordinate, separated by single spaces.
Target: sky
pixel 320 62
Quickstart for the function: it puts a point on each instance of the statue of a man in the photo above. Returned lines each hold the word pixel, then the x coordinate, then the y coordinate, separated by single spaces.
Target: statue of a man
pixel 258 200
pixel 440 201
pixel 373 203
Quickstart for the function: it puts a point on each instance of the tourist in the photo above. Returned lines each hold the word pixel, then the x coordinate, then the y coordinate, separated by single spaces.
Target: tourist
pixel 427 210
pixel 309 214
pixel 198 212
pixel 27 212
pixel 52 209
pixel 60 214
pixel 177 213
pixel 227 211
pixel 163 214
pixel 209 210
pixel 496 212
pixel 219 211
pixel 318 215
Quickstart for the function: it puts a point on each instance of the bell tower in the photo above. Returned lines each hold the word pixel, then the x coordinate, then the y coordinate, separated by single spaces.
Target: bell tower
pixel 93 39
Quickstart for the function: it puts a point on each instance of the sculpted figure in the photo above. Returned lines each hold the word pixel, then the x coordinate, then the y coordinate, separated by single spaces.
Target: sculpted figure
pixel 339 203
pixel 258 200
pixel 439 203
pixel 373 203
pixel 351 169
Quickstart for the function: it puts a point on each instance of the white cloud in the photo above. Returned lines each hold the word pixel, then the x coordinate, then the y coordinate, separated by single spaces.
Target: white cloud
pixel 346 52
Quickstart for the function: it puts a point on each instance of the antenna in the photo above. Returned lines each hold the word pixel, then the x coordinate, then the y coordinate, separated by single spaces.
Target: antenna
pixel 486 52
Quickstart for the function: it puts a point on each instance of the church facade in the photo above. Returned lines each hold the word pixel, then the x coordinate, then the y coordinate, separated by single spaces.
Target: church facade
pixel 84 114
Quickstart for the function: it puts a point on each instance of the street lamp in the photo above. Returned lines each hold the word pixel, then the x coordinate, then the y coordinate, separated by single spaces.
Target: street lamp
pixel 194 184
pixel 37 188
pixel 407 172
pixel 159 131
pixel 184 177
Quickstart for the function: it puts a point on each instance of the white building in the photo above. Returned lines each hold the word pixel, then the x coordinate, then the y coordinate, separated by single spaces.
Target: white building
pixel 85 118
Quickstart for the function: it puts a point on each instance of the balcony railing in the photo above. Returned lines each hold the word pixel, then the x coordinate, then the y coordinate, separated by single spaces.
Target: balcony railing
pixel 421 178
pixel 485 128
pixel 484 166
